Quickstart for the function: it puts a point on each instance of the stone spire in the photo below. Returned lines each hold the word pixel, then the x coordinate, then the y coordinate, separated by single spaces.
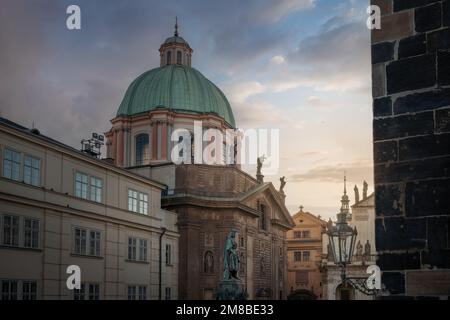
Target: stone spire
pixel 345 208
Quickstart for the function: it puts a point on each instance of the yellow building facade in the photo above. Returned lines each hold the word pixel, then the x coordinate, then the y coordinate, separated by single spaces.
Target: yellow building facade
pixel 304 254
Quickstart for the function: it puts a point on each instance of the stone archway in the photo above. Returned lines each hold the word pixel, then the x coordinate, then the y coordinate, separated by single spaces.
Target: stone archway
pixel 302 294
pixel 345 292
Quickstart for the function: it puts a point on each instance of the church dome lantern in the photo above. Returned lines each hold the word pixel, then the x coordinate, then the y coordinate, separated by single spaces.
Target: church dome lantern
pixel 175 50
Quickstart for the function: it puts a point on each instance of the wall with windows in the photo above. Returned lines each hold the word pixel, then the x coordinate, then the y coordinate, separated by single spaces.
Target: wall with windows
pixel 59 207
pixel 304 254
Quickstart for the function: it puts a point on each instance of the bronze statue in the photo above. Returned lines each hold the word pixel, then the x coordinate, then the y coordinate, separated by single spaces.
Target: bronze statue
pixel 282 184
pixel 230 257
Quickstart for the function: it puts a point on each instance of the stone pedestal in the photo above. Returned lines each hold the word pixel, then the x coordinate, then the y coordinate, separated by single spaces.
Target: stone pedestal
pixel 231 289
pixel 260 178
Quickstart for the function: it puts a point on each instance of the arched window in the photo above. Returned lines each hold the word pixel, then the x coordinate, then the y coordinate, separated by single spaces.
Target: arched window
pixel 169 57
pixel 208 262
pixel 179 57
pixel 263 217
pixel 142 149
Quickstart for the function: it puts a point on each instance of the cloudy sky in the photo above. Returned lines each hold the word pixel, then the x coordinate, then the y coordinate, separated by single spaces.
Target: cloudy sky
pixel 302 66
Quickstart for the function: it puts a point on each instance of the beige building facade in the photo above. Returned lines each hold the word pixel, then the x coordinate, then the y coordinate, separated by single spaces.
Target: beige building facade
pixel 304 256
pixel 61 207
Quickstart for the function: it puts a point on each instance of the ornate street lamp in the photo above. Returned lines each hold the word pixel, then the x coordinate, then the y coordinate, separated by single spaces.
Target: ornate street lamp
pixel 342 240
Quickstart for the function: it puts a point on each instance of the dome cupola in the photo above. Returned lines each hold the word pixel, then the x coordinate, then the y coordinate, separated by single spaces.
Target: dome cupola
pixel 175 50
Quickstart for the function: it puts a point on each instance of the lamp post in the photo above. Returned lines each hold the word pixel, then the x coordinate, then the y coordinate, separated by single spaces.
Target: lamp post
pixel 342 240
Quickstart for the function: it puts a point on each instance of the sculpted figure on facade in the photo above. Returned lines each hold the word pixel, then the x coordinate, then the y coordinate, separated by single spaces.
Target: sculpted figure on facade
pixel 230 257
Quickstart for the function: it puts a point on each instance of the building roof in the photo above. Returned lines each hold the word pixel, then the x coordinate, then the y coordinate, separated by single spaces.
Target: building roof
pixel 306 213
pixel 34 133
pixel 179 88
pixel 176 39
pixel 367 202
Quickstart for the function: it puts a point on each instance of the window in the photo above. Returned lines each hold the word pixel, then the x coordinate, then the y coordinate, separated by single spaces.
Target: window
pixel 135 252
pixel 81 185
pixel 297 234
pixel 9 290
pixel 80 241
pixel 29 290
pixel 11 230
pixel 169 57
pixel 142 293
pixel 142 149
pixel 132 248
pixel 93 292
pixel 142 249
pixel 168 254
pixel 131 292
pixel 78 294
pixel 132 200
pixel 179 57
pixel 88 190
pixel 306 234
pixel 32 170
pixel 137 292
pixel 11 164
pixel 96 189
pixel 31 233
pixel 143 203
pixel 137 201
pixel 297 256
pixel 94 243
pixel 87 242
pixel 306 256
pixel 168 293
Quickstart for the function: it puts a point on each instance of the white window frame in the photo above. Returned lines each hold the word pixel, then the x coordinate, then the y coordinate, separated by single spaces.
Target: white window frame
pixel 137 250
pixel 11 230
pixel 136 292
pixel 97 195
pixel 168 254
pixel 20 293
pixel 34 234
pixel 33 180
pixel 13 163
pixel 138 202
pixel 85 293
pixel 86 242
pixel 96 189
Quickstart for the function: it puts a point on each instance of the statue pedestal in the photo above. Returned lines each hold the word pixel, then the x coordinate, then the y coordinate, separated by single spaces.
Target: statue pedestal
pixel 231 289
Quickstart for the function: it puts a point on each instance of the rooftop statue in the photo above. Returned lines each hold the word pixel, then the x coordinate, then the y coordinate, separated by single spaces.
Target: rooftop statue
pixel 282 184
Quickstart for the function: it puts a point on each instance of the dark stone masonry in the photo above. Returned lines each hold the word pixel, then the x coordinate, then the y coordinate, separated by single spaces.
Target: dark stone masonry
pixel 411 131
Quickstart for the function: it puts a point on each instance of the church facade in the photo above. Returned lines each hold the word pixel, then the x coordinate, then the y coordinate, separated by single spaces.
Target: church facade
pixel 209 199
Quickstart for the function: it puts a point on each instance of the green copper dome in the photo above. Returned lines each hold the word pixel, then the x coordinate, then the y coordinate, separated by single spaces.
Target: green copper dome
pixel 179 88
pixel 175 39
